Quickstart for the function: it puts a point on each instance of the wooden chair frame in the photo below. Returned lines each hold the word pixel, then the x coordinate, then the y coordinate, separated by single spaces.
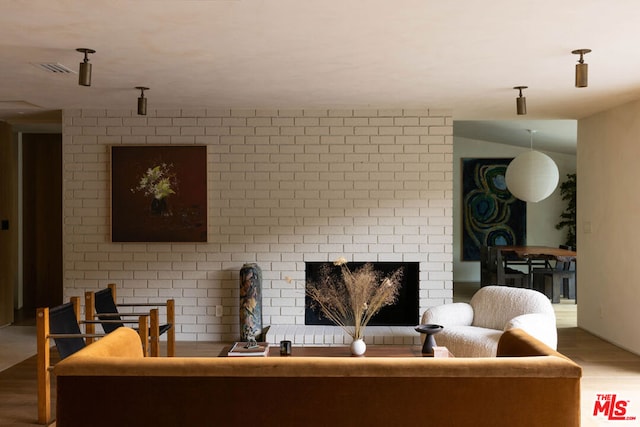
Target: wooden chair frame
pixel 150 336
pixel 43 344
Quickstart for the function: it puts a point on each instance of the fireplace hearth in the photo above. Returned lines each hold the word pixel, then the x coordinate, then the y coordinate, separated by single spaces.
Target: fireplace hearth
pixel 403 313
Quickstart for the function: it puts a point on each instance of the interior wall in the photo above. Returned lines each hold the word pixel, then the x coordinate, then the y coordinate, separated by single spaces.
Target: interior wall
pixel 284 187
pixel 608 232
pixel 541 217
pixel 8 213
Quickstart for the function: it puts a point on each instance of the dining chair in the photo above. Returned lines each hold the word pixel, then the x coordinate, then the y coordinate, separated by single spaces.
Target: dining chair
pixel 488 268
pixel 507 275
pixel 570 285
pixel 556 281
pixel 494 272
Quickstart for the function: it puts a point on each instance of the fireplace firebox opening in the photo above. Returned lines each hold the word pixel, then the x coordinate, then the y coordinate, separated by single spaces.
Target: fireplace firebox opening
pixel 404 312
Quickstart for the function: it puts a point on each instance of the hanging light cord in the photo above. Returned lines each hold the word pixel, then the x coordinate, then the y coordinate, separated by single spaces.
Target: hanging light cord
pixel 531 132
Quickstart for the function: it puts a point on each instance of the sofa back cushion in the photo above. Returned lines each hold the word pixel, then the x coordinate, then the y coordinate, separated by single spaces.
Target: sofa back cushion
pixel 494 306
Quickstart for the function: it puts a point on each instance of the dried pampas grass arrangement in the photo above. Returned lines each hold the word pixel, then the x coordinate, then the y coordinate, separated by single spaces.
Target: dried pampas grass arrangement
pixel 352 298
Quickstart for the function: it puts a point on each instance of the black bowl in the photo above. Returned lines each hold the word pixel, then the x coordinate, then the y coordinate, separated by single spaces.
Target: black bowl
pixel 429 328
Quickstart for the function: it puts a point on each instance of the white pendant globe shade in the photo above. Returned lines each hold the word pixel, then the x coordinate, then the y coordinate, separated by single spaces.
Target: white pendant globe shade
pixel 532 176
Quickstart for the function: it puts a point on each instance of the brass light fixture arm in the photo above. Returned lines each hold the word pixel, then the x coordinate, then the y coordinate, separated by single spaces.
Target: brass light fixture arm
pixel 581 52
pixel 86 52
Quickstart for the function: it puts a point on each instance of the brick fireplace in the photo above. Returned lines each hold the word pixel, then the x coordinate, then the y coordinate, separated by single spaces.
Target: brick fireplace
pixel 285 187
pixel 393 326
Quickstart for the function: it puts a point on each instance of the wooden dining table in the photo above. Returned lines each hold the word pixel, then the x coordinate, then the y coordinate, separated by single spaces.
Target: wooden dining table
pixel 536 256
pixel 540 253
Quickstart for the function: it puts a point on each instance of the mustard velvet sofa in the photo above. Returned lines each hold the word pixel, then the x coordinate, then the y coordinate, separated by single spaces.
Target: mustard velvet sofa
pixel 110 383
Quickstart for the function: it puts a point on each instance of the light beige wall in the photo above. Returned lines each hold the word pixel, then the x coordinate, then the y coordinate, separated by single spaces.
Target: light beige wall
pixel 608 230
pixel 541 217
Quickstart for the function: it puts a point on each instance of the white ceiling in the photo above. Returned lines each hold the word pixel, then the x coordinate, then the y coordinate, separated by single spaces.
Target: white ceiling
pixel 547 135
pixel 465 55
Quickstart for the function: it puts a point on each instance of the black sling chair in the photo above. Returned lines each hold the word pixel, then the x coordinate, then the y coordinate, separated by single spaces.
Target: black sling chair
pixel 59 323
pixel 106 310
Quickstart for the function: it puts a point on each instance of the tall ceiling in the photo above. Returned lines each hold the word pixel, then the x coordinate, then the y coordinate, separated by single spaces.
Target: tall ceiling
pixel 463 55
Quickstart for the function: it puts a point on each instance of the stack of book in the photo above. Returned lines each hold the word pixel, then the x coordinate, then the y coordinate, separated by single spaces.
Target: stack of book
pixel 241 349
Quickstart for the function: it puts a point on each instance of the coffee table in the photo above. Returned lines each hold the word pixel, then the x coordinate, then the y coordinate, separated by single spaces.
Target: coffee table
pixel 343 351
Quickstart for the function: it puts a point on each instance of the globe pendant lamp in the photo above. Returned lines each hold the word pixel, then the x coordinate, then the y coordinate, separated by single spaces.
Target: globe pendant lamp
pixel 532 176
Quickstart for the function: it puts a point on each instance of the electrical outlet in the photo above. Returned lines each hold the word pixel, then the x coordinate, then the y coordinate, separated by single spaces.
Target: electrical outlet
pixel 218 311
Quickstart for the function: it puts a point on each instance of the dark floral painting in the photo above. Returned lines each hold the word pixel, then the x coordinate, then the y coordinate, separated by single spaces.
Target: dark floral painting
pixel 491 215
pixel 159 193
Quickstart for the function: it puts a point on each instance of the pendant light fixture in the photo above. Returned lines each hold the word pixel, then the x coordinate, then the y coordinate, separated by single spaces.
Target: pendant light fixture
pixel 521 101
pixel 582 69
pixel 84 73
pixel 532 176
pixel 142 101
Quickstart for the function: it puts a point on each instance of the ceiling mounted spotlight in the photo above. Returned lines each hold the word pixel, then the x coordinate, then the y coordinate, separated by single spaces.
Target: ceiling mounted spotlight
pixel 84 75
pixel 142 101
pixel 521 101
pixel 582 69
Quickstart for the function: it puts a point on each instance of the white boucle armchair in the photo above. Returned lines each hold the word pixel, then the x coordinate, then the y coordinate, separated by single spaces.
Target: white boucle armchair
pixel 473 330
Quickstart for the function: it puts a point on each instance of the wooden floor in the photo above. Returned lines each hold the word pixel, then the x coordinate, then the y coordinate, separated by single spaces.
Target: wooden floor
pixel 606 369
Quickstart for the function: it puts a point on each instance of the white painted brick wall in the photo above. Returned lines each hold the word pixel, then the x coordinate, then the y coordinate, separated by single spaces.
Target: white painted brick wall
pixel 284 187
